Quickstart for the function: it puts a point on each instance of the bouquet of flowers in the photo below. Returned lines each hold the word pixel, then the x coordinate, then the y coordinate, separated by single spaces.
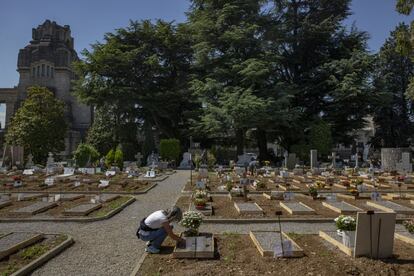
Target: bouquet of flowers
pixel 192 221
pixel 320 184
pixel 409 225
pixel 200 194
pixel 313 191
pixel 345 223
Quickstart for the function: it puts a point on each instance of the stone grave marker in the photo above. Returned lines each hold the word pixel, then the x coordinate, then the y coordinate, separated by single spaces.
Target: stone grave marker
pixel 68 197
pixel 152 159
pixel 199 247
pixel 297 208
pixel 277 195
pixel 28 172
pixel 245 159
pixel 405 165
pixel 207 211
pixel 287 196
pixel 103 183
pixel 150 174
pixel 382 227
pixel 343 207
pixel 4 202
pixel 186 163
pixel 389 206
pixel 110 173
pixel 313 159
pixel 109 197
pixel 23 197
pixel 291 161
pixel 35 208
pixel 268 243
pixel 13 242
pixel 201 185
pixel 29 163
pixel 203 172
pixel 82 209
pixel 50 181
pixel 248 208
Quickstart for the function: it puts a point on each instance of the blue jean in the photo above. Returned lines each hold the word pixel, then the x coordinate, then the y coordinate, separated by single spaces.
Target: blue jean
pixel 156 238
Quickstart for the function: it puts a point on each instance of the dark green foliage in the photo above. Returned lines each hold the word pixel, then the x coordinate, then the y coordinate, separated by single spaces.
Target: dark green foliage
pixel 170 149
pixel 110 158
pixel 101 134
pixel 393 111
pixel 86 155
pixel 39 124
pixel 320 138
pixel 119 158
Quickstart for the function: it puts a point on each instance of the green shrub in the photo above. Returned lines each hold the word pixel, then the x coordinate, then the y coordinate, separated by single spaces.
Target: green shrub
pixel 170 149
pixel 211 160
pixel 119 158
pixel 110 158
pixel 85 155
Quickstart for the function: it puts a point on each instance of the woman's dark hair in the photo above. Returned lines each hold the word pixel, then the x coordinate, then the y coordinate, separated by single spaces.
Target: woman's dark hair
pixel 174 214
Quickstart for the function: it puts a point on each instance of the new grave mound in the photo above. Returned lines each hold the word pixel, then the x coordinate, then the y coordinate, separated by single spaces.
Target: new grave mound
pixel 68 197
pixel 297 208
pixel 198 247
pixel 389 206
pixel 13 242
pixel 82 209
pixel 108 197
pixel 244 208
pixel 36 208
pixel 268 244
pixel 342 207
pixel 23 197
pixel 405 237
pixel 5 202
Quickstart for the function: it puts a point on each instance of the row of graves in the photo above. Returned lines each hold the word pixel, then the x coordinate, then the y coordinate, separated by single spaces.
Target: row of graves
pixel 58 206
pixel 241 195
pixel 367 239
pixel 57 178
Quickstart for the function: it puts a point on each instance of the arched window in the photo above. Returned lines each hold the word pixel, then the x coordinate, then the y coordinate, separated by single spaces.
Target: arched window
pixel 34 72
pixel 43 70
pixel 47 71
pixel 38 70
pixel 52 71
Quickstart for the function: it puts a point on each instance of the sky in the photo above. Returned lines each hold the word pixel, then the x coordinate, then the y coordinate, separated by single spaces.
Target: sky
pixel 91 19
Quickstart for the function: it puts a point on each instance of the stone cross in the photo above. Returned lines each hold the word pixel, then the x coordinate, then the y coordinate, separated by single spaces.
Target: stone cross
pixel 29 163
pixel 286 155
pixel 138 157
pixel 50 159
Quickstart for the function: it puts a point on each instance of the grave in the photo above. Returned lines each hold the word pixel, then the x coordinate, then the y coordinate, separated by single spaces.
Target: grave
pixel 28 172
pixel 342 207
pixel 150 174
pixel 333 238
pixel 110 173
pixel 152 159
pixel 405 165
pixel 351 196
pixel 207 211
pixel 13 242
pixel 108 197
pixel 82 210
pixel 186 163
pixel 268 243
pixel 405 237
pixel 389 206
pixel 199 247
pixel 291 161
pixel 274 195
pixel 35 208
pixel 392 196
pixel 288 187
pixel 29 163
pixel 68 197
pixel 245 159
pixel 103 183
pixel 244 208
pixel 24 197
pixel 88 171
pixel 297 208
pixel 5 202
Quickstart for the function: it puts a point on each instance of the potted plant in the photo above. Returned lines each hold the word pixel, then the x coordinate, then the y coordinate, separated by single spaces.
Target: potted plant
pixel 200 203
pixel 313 192
pixel 229 186
pixel 409 226
pixel 320 184
pixel 191 221
pixel 346 225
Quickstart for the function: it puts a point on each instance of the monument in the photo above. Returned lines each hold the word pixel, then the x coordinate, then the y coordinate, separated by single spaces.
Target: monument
pixel 47 61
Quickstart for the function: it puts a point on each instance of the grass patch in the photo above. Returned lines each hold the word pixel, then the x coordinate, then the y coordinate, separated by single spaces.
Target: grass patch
pixel 33 252
pixel 231 239
pixel 112 205
pixel 10 269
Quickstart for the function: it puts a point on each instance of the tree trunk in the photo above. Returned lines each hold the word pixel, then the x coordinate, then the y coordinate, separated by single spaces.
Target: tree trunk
pixel 240 141
pixel 262 144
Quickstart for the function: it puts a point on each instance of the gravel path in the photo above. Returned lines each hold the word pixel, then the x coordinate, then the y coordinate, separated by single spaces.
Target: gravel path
pixel 107 247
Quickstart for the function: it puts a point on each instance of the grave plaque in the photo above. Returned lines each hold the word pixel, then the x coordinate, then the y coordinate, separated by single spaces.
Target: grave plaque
pixel 389 206
pixel 342 207
pixel 82 210
pixel 199 247
pixel 35 208
pixel 13 242
pixel 268 244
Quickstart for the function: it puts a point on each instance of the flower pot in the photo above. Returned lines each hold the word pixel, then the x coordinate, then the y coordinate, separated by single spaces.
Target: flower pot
pixel 348 238
pixel 200 207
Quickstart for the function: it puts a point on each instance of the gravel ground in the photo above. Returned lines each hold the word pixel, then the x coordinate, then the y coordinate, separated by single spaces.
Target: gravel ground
pixel 110 247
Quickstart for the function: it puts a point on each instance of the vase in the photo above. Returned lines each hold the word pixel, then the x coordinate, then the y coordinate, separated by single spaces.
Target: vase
pixel 200 207
pixel 348 238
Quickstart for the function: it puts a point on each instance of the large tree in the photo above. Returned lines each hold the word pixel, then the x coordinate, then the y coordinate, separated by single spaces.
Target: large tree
pixel 140 73
pixel 39 124
pixel 394 112
pixel 325 65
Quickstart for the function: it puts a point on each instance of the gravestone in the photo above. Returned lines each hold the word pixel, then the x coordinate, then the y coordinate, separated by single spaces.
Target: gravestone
pixel 297 208
pixel 82 210
pixel 343 207
pixel 375 235
pixel 356 161
pixel 162 165
pixel 152 159
pixel 13 242
pixel 245 159
pixel 68 197
pixel 248 208
pixel 24 197
pixel 50 164
pixel 50 181
pixel 150 174
pixel 110 173
pixel 199 247
pixel 29 163
pixel 239 170
pixel 186 163
pixel 139 157
pixel 201 185
pixel 390 157
pixel 268 243
pixel 291 161
pixel 405 165
pixel 333 160
pixel 203 172
pixel 28 172
pixel 103 183
pixel 35 208
pixel 389 206
pixel 313 159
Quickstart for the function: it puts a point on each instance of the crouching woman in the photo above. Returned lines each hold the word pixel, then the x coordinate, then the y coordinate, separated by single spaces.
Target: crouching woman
pixel 157 226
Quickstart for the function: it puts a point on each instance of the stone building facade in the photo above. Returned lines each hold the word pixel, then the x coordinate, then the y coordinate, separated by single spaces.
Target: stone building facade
pixel 47 61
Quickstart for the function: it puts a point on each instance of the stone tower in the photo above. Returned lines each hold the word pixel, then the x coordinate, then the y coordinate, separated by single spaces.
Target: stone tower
pixel 47 61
